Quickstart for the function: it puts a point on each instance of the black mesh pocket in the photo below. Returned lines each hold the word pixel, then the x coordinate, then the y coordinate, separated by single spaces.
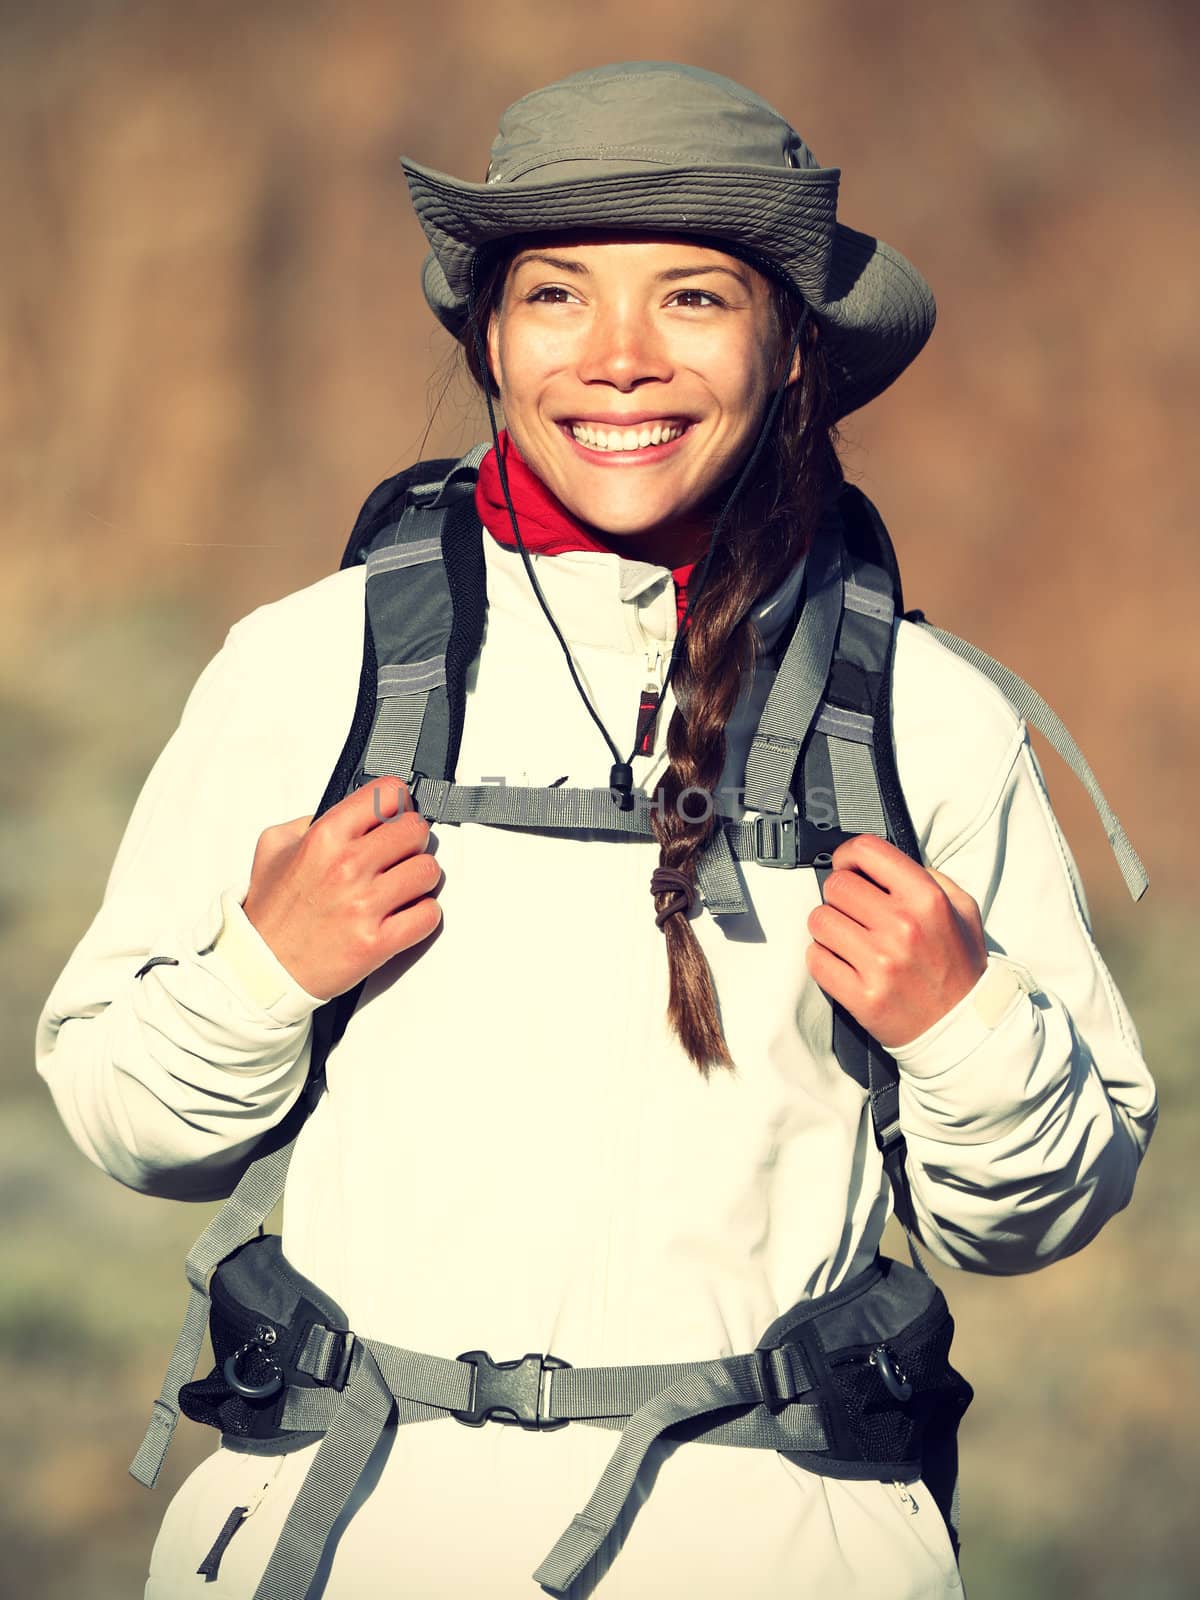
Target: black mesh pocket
pixel 878 1349
pixel 882 1427
pixel 212 1401
pixel 261 1313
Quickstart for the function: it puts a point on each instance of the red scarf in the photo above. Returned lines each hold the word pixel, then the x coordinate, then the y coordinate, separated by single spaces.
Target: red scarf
pixel 547 527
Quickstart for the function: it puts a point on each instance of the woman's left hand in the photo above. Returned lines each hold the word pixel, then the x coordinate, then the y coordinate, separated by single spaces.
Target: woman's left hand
pixel 896 943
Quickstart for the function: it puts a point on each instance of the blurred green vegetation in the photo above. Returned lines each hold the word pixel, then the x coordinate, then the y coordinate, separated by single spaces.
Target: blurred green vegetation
pixel 217 347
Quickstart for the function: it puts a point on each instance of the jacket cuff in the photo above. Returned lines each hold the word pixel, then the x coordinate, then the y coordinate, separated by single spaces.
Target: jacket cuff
pixel 232 946
pixel 968 1024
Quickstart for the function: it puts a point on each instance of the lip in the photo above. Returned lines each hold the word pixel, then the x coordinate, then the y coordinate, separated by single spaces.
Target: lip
pixel 625 458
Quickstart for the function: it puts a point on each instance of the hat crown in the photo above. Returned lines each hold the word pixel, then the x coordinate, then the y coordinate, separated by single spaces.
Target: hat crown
pixel 661 113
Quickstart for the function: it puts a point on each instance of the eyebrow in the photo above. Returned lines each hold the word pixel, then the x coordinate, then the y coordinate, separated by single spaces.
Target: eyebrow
pixel 670 275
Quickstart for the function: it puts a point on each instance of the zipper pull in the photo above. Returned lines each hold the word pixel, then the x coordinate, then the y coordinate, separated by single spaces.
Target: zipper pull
pixel 906 1498
pixel 647 722
pixel 209 1569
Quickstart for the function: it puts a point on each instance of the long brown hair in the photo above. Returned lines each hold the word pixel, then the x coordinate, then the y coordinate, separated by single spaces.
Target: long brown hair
pixel 764 535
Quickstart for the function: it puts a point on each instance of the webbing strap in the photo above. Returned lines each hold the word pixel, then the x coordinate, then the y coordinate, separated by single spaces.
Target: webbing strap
pixel 427 1386
pixel 238 1220
pixel 799 682
pixel 388 1383
pixel 859 807
pixel 718 879
pixel 343 1453
pixel 565 810
pixel 397 732
pixel 736 1381
pixel 1036 712
pixel 509 806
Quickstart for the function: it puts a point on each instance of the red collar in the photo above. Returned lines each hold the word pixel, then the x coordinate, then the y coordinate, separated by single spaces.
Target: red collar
pixel 546 525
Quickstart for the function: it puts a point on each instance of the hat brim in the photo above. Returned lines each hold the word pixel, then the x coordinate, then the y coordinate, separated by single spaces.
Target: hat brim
pixel 874 308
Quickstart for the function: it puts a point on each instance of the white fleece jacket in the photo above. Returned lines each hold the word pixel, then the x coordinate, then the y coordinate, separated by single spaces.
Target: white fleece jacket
pixel 515 1155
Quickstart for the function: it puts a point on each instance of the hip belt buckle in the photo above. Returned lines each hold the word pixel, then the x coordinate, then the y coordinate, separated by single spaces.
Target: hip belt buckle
pixel 511 1391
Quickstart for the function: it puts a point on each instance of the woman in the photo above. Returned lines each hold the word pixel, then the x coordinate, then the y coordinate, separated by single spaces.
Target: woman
pixel 539 1134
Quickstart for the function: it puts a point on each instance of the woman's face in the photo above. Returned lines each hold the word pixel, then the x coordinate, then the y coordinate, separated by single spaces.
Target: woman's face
pixel 601 348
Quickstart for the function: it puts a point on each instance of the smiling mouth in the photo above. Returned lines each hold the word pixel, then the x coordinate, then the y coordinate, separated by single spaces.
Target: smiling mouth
pixel 594 436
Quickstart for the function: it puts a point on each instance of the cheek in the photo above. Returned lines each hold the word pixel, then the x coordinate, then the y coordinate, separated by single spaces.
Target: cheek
pixel 527 357
pixel 737 376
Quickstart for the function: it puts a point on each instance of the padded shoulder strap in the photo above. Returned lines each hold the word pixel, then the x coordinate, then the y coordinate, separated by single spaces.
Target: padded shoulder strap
pixel 849 776
pixel 425 603
pixel 418 501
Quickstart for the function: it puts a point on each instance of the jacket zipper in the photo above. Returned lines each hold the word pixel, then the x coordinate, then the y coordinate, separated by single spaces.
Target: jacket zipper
pixel 647 723
pixel 210 1566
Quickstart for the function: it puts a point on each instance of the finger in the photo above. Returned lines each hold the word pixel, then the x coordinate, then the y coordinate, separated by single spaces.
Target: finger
pixel 411 924
pixel 857 896
pixel 832 975
pixel 882 862
pixel 378 801
pixel 841 936
pixel 409 880
pixel 407 834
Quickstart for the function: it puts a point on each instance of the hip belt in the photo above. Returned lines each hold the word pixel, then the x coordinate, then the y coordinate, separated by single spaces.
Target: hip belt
pixel 853 1384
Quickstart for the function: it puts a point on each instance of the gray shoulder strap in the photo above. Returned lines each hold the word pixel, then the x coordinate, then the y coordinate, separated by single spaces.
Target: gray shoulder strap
pixel 1038 714
pixel 800 681
pixel 239 1219
pixel 411 615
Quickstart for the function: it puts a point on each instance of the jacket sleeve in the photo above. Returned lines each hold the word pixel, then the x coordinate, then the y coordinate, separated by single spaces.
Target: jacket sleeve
pixel 166 1080
pixel 1028 1107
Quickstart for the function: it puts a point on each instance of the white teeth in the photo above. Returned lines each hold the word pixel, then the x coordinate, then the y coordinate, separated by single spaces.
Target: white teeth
pixel 628 439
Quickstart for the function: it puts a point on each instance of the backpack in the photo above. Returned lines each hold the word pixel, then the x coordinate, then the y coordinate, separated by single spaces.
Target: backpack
pixel 821 769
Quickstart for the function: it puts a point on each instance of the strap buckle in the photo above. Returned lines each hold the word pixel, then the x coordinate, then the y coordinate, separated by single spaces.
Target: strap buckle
pixel 781 1374
pixel 780 847
pixel 511 1391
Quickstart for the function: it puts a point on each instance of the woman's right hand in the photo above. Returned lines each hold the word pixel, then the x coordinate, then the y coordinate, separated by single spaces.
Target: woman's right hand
pixel 337 899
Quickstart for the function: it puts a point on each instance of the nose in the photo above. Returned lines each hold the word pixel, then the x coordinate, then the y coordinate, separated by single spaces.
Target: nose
pixel 623 348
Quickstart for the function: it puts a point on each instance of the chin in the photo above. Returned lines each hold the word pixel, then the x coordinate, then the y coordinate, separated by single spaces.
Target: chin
pixel 619 516
pixel 620 526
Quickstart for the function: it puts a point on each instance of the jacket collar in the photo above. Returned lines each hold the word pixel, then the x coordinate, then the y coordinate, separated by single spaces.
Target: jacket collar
pixel 600 599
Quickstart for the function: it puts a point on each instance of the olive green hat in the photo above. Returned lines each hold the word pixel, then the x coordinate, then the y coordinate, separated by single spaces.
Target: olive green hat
pixel 667 148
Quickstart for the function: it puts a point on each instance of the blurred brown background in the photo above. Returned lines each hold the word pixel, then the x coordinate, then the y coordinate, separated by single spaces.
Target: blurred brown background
pixel 215 346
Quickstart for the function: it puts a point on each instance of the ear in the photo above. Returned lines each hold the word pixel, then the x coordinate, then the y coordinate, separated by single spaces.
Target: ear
pixel 492 341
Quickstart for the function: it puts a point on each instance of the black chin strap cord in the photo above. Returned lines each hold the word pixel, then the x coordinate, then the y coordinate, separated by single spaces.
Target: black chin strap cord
pixel 621 776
